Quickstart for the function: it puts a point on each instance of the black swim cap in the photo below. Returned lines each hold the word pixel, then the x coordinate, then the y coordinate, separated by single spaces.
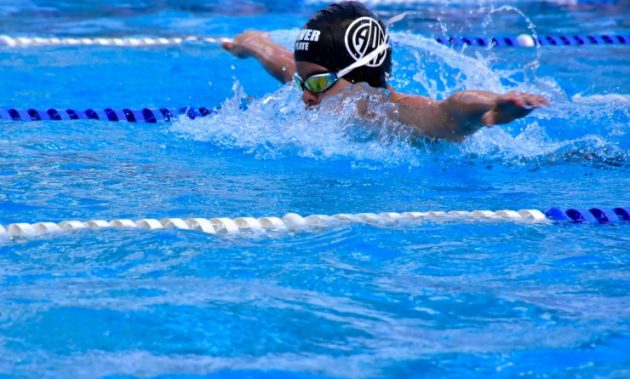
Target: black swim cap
pixel 341 34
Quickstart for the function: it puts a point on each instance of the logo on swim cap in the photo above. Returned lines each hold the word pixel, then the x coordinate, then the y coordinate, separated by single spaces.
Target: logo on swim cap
pixel 363 36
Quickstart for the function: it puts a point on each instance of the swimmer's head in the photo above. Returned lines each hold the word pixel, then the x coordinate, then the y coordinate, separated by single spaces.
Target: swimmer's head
pixel 340 35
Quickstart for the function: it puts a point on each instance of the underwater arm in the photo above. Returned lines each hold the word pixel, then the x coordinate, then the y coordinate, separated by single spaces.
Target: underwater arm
pixel 463 113
pixel 276 60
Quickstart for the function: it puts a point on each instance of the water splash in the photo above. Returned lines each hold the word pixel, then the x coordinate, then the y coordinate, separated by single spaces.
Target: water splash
pixel 488 24
pixel 278 125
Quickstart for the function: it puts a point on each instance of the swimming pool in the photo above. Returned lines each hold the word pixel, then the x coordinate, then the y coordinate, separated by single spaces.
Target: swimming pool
pixel 447 299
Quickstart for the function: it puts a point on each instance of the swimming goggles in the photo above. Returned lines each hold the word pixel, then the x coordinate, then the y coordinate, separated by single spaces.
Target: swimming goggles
pixel 319 83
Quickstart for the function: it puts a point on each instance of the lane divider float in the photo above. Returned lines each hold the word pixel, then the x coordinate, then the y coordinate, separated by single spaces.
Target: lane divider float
pixel 522 40
pixel 144 115
pixel 295 222
pixel 526 40
pixel 9 41
pixel 406 3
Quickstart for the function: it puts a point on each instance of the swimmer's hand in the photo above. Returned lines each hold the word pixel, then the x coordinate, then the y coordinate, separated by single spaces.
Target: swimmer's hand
pixel 247 44
pixel 276 60
pixel 511 106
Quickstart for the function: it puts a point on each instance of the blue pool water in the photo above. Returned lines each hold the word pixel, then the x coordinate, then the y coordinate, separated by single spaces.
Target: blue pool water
pixel 427 300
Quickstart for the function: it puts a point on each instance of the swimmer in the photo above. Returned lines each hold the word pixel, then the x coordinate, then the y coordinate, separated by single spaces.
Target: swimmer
pixel 344 48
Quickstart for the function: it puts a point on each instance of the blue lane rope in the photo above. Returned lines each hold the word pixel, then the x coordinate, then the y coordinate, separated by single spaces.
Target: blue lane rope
pixel 144 115
pixel 525 40
pixel 405 3
pixel 589 216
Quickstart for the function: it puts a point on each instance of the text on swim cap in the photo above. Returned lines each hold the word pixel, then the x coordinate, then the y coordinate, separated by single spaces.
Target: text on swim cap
pixel 304 37
pixel 308 35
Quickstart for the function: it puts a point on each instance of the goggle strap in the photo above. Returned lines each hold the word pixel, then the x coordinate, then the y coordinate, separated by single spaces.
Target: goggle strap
pixel 395 19
pixel 365 60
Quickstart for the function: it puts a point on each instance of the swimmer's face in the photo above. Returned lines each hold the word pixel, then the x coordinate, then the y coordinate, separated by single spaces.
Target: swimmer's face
pixel 306 69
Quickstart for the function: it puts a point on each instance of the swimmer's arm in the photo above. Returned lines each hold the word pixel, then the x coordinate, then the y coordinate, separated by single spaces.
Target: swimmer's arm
pixel 463 113
pixel 276 60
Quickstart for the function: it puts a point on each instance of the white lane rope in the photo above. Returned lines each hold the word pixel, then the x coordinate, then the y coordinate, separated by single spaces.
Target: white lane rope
pixel 289 222
pixel 107 41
